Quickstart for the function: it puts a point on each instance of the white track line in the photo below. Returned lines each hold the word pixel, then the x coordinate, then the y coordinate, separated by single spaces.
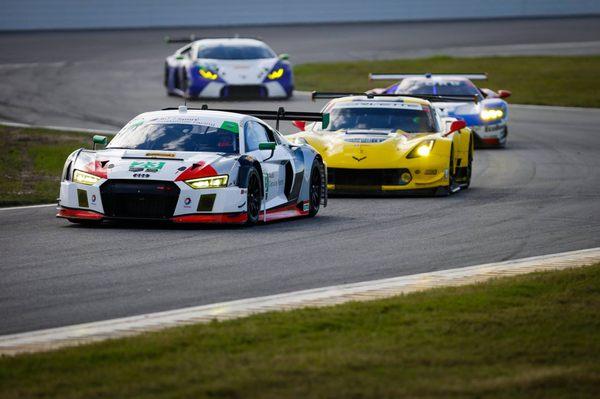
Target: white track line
pixel 15 208
pixel 54 338
pixel 62 128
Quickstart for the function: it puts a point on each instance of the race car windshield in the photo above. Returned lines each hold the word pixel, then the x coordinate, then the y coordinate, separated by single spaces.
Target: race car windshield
pixel 176 137
pixel 438 87
pixel 407 120
pixel 222 52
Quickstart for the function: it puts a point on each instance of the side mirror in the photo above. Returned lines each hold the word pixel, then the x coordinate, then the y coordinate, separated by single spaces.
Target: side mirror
pixel 284 57
pixel 456 126
pixel 300 125
pixel 504 93
pixel 98 139
pixel 267 146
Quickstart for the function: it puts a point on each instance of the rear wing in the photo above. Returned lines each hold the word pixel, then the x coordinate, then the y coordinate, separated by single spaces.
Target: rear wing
pixel 193 38
pixel 400 76
pixel 429 97
pixel 280 115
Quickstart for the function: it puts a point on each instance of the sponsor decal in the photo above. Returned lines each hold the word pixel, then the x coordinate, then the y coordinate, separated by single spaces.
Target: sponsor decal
pixel 379 104
pixel 187 202
pixel 231 126
pixel 366 140
pixel 110 166
pixel 191 119
pixel 160 154
pixel 266 184
pixel 358 159
pixel 306 207
pixel 93 198
pixel 142 175
pixel 147 166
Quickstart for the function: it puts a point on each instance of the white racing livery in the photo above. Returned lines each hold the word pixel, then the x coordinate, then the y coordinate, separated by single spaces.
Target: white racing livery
pixel 195 166
pixel 228 68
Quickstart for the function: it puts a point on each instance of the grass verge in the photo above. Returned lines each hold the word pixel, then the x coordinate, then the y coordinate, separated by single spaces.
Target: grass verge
pixel 567 81
pixel 31 162
pixel 532 336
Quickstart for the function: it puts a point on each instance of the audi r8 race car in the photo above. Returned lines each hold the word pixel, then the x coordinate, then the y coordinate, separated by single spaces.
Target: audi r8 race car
pixel 390 144
pixel 228 68
pixel 486 113
pixel 195 166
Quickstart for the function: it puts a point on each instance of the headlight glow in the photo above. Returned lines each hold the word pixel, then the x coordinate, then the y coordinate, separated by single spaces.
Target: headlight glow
pixel 84 178
pixel 276 74
pixel 491 114
pixel 422 150
pixel 206 74
pixel 208 182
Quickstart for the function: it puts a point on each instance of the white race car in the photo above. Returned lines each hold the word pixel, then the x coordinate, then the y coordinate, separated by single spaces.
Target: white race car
pixel 228 68
pixel 195 166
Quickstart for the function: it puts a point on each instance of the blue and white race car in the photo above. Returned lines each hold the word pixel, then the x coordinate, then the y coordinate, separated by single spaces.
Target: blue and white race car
pixel 486 115
pixel 227 68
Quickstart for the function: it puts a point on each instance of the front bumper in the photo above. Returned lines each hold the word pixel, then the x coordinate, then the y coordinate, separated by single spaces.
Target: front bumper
pixel 491 134
pixel 151 200
pixel 346 180
pixel 272 89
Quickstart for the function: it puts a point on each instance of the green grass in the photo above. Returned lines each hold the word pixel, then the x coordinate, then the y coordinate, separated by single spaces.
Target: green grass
pixel 533 336
pixel 568 81
pixel 31 162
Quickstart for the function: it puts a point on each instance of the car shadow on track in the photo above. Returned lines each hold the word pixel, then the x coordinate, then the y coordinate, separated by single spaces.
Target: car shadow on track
pixel 166 226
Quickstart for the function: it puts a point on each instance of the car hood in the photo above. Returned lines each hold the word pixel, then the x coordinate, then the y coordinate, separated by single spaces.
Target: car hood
pixel 240 72
pixel 154 165
pixel 456 108
pixel 363 148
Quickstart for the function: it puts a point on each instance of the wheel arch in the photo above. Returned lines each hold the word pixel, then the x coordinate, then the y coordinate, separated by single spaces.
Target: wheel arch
pixel 246 163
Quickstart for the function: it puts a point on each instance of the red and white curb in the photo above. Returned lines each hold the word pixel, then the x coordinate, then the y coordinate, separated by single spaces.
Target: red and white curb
pixel 54 338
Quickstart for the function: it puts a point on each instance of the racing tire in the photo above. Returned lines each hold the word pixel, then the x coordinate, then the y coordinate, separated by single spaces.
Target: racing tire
pixel 467 182
pixel 184 85
pixel 166 77
pixel 503 143
pixel 315 188
pixel 253 197
pixel 445 191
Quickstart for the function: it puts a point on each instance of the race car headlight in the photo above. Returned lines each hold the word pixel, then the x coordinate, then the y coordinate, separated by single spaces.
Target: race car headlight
pixel 276 74
pixel 422 150
pixel 491 114
pixel 206 74
pixel 84 178
pixel 208 182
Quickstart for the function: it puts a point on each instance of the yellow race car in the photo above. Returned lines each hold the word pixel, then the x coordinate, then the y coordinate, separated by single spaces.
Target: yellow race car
pixel 390 144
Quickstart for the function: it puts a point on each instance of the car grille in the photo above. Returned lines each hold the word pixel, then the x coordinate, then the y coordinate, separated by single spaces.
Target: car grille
pixel 139 199
pixel 246 91
pixel 365 177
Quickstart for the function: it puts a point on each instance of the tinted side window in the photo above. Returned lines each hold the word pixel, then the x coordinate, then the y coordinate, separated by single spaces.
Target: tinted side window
pixel 255 134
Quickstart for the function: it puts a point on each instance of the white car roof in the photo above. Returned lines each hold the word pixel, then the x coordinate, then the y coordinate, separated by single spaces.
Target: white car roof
pixel 438 78
pixel 235 41
pixel 193 115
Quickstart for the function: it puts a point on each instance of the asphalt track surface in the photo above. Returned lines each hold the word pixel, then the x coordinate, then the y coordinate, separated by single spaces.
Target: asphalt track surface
pixel 101 79
pixel 539 196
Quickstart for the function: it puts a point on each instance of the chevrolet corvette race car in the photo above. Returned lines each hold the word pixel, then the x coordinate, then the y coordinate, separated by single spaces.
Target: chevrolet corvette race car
pixel 189 165
pixel 486 113
pixel 228 68
pixel 388 143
